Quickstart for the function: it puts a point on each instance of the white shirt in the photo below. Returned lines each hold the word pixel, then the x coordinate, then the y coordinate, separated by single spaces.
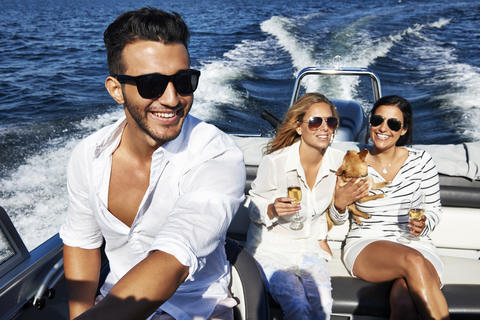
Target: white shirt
pixel 196 186
pixel 271 183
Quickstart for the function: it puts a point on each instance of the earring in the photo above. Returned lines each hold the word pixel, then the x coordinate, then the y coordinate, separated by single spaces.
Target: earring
pixel 332 138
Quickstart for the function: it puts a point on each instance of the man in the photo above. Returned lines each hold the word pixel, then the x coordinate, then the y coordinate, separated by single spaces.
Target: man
pixel 159 185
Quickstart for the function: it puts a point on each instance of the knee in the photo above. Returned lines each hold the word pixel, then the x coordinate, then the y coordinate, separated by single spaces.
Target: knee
pixel 296 308
pixel 416 263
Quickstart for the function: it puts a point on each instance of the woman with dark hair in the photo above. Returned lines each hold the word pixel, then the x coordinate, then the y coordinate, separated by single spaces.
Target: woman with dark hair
pixel 294 260
pixel 372 251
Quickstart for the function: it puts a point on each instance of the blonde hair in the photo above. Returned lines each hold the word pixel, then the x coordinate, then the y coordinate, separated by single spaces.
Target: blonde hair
pixel 287 134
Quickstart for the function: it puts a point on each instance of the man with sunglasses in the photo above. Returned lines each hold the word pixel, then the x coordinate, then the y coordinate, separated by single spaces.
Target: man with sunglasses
pixel 160 186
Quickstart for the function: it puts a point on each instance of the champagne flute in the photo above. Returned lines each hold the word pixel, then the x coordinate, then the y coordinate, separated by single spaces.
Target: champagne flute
pixel 295 192
pixel 403 211
pixel 416 211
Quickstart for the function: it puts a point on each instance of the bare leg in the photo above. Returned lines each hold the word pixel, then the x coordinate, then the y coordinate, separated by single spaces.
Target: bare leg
pixel 385 260
pixel 401 303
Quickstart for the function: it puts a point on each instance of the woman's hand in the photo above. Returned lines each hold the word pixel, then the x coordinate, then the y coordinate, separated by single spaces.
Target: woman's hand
pixel 349 193
pixel 282 207
pixel 417 226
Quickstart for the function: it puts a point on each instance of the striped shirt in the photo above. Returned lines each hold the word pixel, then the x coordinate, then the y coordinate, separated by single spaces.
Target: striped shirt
pixel 418 173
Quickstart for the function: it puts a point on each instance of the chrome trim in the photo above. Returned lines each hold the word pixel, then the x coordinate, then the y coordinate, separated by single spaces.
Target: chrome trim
pixel 347 71
pixel 46 284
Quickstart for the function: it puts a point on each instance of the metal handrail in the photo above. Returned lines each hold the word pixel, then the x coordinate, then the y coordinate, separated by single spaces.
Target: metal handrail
pixel 348 71
pixel 46 282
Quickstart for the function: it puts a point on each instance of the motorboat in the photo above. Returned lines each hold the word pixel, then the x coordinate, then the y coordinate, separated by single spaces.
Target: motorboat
pixel 32 284
pixel 455 237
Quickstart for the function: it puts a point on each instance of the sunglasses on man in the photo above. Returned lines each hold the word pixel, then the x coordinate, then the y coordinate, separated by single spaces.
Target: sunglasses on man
pixel 393 124
pixel 152 86
pixel 314 123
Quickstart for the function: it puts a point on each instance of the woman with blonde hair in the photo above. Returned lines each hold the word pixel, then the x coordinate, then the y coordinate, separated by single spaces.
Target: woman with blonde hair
pixel 293 255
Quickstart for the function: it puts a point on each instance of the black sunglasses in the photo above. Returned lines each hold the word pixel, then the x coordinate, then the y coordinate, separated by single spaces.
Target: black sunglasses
pixel 316 122
pixel 393 124
pixel 151 86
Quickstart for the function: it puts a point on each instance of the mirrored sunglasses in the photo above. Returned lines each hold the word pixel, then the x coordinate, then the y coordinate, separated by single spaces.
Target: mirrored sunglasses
pixel 393 124
pixel 314 123
pixel 151 86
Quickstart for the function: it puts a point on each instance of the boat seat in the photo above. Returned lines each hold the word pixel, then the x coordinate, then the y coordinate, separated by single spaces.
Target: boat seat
pixel 246 284
pixel 352 120
pixel 362 298
pixel 459 191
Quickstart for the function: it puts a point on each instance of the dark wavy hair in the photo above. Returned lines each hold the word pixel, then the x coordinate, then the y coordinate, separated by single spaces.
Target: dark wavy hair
pixel 148 24
pixel 406 109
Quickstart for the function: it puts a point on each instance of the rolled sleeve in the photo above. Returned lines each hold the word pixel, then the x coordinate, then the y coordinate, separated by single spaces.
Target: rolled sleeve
pixel 262 193
pixel 430 185
pixel 337 217
pixel 80 228
pixel 197 225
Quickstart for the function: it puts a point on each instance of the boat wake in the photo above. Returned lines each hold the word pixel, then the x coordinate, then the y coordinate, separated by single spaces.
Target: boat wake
pixel 415 49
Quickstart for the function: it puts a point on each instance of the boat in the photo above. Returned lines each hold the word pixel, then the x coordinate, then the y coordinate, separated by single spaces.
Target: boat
pixel 32 284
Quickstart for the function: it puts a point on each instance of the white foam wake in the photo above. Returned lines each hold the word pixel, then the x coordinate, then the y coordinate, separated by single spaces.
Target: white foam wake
pixel 218 82
pixel 301 52
pixel 35 194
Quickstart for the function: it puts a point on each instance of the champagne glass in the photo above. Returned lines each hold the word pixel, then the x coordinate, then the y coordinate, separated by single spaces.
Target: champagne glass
pixel 417 209
pixel 295 192
pixel 415 212
pixel 403 211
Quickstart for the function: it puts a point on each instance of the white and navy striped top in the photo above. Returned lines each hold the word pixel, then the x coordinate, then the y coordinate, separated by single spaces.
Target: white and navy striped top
pixel 419 173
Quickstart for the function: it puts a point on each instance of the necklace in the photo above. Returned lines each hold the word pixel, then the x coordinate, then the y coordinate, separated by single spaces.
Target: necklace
pixel 384 169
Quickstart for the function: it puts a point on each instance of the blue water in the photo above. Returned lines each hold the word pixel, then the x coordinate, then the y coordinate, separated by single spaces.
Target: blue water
pixel 53 66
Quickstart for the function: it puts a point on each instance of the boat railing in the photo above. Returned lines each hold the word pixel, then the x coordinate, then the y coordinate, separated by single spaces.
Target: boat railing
pixel 45 289
pixel 26 277
pixel 345 71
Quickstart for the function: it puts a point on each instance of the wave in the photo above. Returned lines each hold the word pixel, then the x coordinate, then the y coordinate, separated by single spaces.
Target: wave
pixel 442 68
pixel 357 46
pixel 220 82
pixel 35 195
pixel 301 52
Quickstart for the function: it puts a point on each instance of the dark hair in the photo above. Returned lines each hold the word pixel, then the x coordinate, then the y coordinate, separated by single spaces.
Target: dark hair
pixel 148 24
pixel 287 133
pixel 406 109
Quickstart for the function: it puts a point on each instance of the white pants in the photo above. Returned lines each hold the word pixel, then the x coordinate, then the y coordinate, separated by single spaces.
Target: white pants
pixel 304 290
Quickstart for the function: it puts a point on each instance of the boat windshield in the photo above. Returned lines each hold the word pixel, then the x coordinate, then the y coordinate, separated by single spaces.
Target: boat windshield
pixel 6 249
pixel 12 248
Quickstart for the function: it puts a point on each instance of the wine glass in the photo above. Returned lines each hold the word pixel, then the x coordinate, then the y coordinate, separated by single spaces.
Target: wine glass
pixel 415 212
pixel 403 211
pixel 295 192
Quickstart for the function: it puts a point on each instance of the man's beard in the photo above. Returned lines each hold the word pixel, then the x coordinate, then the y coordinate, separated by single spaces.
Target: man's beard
pixel 140 118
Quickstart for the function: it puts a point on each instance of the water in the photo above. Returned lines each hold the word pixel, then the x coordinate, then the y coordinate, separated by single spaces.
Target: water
pixel 53 66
